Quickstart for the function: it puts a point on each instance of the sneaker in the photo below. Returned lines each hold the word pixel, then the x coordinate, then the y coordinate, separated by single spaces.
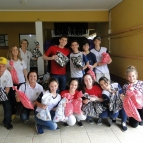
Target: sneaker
pixel 90 121
pixel 25 121
pixel 57 129
pixel 80 124
pixel 9 126
pixel 39 130
pixel 109 121
pixel 99 122
pixel 141 123
pixel 66 125
pixel 124 126
pixel 114 120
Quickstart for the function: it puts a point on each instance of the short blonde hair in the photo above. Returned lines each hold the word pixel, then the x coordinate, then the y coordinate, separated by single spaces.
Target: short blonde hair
pixel 131 69
pixel 23 41
pixel 10 55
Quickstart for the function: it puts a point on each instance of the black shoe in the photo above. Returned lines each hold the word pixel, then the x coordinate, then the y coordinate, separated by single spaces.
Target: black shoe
pixel 124 126
pixel 99 122
pixel 114 120
pixel 57 129
pixel 39 130
pixel 80 124
pixel 66 125
pixel 109 121
pixel 90 121
pixel 9 126
pixel 141 123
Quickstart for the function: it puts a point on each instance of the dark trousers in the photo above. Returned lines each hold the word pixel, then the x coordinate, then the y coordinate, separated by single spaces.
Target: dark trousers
pixel 134 123
pixel 62 81
pixel 25 115
pixel 7 112
pixel 12 98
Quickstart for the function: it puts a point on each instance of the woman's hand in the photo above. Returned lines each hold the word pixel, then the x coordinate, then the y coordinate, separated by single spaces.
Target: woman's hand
pixel 43 106
pixel 93 98
pixel 85 101
pixel 54 109
pixel 122 96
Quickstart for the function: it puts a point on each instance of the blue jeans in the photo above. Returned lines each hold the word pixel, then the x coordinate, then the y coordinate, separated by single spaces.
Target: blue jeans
pixel 123 115
pixel 7 112
pixel 61 78
pixel 50 125
pixel 25 115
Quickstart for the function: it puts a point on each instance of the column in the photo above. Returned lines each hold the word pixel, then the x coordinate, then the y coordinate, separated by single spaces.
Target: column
pixel 39 38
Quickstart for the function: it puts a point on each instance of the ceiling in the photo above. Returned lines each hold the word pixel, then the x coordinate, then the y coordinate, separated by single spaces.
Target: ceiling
pixel 57 5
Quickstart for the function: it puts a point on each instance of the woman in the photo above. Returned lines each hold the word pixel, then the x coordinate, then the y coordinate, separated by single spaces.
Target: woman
pixel 111 94
pixel 32 89
pixel 21 70
pixel 73 85
pixel 132 75
pixel 47 102
pixel 93 89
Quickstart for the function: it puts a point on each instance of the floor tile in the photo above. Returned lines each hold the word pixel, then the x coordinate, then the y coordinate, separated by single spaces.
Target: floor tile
pixel 19 140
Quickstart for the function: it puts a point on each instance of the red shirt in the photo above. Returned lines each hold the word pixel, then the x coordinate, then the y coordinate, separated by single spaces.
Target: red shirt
pixel 67 91
pixel 55 67
pixel 95 90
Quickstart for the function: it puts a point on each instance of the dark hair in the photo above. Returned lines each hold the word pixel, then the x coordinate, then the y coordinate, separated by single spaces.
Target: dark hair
pixel 73 42
pixel 96 37
pixel 30 73
pixel 64 36
pixel 93 82
pixel 52 79
pixel 85 42
pixel 73 80
pixel 105 79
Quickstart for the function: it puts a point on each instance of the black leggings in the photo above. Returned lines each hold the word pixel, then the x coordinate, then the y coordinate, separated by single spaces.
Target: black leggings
pixel 134 123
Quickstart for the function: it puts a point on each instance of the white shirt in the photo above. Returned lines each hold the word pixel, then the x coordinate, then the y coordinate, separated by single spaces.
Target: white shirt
pixel 6 80
pixel 26 57
pixel 100 69
pixel 32 93
pixel 19 67
pixel 49 100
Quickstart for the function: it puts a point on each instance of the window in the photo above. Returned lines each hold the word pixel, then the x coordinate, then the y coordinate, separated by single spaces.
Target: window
pixel 3 40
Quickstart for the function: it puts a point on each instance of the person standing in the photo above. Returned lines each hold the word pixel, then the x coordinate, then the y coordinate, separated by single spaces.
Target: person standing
pixel 58 71
pixel 101 69
pixel 5 84
pixel 25 54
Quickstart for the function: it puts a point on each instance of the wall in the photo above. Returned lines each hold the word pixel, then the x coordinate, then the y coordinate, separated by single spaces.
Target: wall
pixel 126 37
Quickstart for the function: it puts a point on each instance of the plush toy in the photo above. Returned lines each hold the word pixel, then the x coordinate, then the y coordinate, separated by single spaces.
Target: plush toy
pixel 36 52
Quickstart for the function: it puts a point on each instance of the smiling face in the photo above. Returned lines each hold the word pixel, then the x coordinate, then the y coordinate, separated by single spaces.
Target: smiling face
pixel 32 77
pixel 63 41
pixel 88 81
pixel 53 86
pixel 86 47
pixel 73 85
pixel 24 44
pixel 132 77
pixel 104 85
pixel 74 46
pixel 15 51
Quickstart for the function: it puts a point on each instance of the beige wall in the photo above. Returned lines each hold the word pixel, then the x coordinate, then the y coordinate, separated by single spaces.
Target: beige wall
pixel 127 37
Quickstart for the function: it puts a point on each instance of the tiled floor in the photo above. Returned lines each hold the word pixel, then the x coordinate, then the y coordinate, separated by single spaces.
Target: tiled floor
pixel 25 133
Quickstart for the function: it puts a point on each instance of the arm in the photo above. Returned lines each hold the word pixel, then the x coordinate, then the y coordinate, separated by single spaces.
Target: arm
pixel 7 89
pixel 86 61
pixel 25 74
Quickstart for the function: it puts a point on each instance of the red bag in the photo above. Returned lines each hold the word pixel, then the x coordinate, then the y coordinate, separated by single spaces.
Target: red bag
pixel 91 72
pixel 132 102
pixel 24 99
pixel 68 109
pixel 13 73
pixel 68 96
pixel 105 58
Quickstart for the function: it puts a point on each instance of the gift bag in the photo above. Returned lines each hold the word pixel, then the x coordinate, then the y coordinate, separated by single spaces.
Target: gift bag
pixel 77 62
pixel 60 111
pixel 68 109
pixel 105 58
pixel 44 115
pixel 13 73
pixel 62 60
pixel 36 53
pixel 3 95
pixel 24 99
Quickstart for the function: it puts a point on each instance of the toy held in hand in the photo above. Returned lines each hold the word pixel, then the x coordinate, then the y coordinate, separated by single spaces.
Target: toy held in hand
pixel 105 58
pixel 3 95
pixel 77 62
pixel 62 60
pixel 23 98
pixel 13 73
pixel 91 72
pixel 36 52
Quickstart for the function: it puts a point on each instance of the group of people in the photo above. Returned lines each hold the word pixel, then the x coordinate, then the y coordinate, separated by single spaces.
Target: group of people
pixel 101 98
